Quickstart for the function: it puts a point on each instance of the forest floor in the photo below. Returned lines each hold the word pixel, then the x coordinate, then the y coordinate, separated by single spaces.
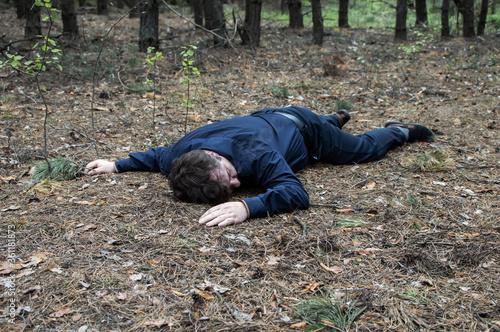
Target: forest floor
pixel 417 249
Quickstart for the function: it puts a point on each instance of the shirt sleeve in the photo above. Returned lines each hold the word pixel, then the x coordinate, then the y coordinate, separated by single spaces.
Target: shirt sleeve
pixel 154 160
pixel 284 191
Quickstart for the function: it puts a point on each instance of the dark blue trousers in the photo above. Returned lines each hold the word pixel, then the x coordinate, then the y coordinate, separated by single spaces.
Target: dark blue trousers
pixel 328 143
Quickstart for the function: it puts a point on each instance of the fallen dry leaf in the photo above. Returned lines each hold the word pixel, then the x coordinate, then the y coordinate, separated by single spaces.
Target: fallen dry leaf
pixel 300 325
pixel 344 210
pixel 312 287
pixel 334 269
pixel 156 260
pixel 370 186
pixel 179 294
pixel 56 270
pixel 88 227
pixel 76 317
pixel 155 322
pixel 61 312
pixel 7 178
pixel 35 259
pixel 206 296
pixel 85 203
pixel 273 260
pixel 7 267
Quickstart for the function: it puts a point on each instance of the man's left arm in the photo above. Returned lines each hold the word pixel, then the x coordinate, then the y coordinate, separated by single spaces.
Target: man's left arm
pixel 284 193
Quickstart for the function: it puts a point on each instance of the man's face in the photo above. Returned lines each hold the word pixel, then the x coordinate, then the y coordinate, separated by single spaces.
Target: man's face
pixel 225 173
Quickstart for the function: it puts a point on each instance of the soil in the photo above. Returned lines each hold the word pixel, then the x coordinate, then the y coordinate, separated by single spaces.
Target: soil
pixel 117 252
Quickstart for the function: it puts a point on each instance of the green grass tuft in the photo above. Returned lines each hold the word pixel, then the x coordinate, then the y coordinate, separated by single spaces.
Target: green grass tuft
pixel 323 312
pixel 60 169
pixel 434 161
pixel 351 222
pixel 344 105
pixel 413 295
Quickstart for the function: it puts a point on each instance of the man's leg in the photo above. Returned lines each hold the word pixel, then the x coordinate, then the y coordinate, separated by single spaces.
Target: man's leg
pixel 339 147
pixel 338 119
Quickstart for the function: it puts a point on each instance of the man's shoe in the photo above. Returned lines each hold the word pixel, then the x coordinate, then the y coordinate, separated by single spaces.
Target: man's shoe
pixel 416 132
pixel 344 116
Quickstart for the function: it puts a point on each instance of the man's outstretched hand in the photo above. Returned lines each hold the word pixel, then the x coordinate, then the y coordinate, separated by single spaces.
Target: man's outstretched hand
pixel 225 214
pixel 100 166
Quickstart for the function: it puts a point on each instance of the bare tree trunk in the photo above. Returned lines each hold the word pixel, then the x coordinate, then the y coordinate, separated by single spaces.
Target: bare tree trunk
pixel 250 33
pixel 70 24
pixel 295 12
pixel 421 12
pixel 317 18
pixel 33 25
pixel 215 20
pixel 135 9
pixel 401 15
pixel 466 8
pixel 481 24
pixel 344 13
pixel 21 9
pixel 468 17
pixel 102 7
pixel 445 19
pixel 197 7
pixel 148 30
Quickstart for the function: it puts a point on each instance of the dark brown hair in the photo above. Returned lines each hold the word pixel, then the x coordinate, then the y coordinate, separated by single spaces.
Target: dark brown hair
pixel 190 178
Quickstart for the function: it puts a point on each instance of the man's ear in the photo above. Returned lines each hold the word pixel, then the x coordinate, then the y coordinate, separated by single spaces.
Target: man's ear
pixel 215 154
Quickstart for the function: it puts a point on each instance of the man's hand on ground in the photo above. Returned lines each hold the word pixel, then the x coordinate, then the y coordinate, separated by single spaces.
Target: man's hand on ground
pixel 100 167
pixel 225 214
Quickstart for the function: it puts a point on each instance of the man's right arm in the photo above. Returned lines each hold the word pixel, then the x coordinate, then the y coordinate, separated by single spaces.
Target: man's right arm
pixel 154 160
pixel 100 166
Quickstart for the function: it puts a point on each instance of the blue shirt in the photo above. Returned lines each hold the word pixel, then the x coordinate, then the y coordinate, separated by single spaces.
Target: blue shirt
pixel 265 149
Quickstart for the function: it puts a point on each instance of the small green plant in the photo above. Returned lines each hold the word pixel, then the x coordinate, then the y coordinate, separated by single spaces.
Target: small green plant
pixel 58 168
pixel 280 91
pixel 412 200
pixel 151 62
pixel 189 71
pixel 421 41
pixel 350 222
pixel 45 53
pixel 413 295
pixel 140 87
pixel 341 104
pixel 323 312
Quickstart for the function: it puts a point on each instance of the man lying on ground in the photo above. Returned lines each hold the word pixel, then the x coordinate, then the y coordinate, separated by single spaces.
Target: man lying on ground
pixel 265 149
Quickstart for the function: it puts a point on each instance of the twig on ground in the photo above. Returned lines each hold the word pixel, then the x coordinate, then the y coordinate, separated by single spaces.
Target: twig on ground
pixel 302 224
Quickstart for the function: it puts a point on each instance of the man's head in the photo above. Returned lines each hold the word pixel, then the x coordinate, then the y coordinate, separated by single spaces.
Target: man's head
pixel 203 177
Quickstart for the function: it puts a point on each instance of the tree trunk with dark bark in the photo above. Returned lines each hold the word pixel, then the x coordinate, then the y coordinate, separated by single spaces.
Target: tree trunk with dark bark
pixel 468 18
pixel 70 24
pixel 445 19
pixel 250 33
pixel 21 9
pixel 135 9
pixel 401 15
pixel 344 13
pixel 215 20
pixel 295 12
pixel 421 12
pixel 33 25
pixel 481 24
pixel 317 18
pixel 148 30
pixel 197 7
pixel 102 7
